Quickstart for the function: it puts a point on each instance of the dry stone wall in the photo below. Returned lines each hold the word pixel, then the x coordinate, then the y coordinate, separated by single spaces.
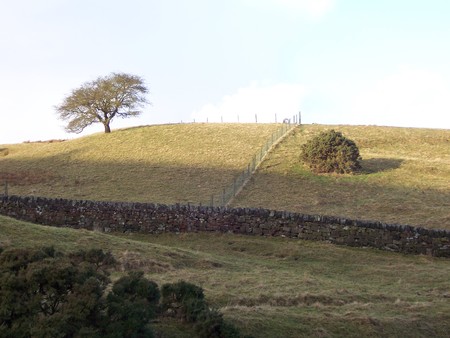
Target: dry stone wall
pixel 157 218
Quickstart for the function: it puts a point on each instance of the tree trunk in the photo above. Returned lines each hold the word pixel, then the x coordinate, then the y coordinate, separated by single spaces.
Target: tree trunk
pixel 107 128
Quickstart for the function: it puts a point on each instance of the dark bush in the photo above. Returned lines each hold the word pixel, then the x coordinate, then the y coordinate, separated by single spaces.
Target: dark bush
pixel 331 152
pixel 210 323
pixel 186 301
pixel 44 293
pixel 131 304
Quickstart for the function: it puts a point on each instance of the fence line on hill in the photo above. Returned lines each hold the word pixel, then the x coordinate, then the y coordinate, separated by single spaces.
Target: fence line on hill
pixel 227 194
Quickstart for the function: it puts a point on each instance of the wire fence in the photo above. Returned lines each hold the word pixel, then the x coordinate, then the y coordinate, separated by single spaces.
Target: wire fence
pixel 224 198
pixel 227 194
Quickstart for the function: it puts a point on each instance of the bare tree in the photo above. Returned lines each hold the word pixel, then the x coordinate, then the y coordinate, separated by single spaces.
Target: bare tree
pixel 100 101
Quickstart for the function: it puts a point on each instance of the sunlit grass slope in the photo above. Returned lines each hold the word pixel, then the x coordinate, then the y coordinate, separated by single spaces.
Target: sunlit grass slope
pixel 163 164
pixel 405 178
pixel 278 287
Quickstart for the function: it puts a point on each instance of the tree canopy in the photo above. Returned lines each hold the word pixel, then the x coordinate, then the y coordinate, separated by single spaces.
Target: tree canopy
pixel 100 101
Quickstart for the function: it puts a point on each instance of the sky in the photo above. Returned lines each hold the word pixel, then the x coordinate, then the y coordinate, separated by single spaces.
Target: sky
pixel 357 62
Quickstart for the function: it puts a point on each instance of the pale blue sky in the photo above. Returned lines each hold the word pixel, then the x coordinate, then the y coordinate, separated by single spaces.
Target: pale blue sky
pixel 384 62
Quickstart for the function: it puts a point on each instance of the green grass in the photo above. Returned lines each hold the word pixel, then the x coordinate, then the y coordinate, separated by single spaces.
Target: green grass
pixel 277 287
pixel 164 164
pixel 405 178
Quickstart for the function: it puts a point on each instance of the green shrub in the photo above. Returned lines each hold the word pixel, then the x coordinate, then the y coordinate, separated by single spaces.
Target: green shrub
pixel 131 304
pixel 186 301
pixel 331 152
pixel 44 293
pixel 210 323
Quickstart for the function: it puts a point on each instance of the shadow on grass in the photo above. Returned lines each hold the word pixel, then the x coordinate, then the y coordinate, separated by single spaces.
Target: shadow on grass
pixel 4 151
pixel 130 181
pixel 169 183
pixel 377 165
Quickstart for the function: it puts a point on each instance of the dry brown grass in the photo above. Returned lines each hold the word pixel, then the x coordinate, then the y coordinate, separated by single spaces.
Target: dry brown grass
pixel 165 164
pixel 405 178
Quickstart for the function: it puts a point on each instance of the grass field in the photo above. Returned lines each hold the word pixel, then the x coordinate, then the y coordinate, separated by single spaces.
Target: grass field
pixel 164 164
pixel 405 178
pixel 277 287
pixel 268 287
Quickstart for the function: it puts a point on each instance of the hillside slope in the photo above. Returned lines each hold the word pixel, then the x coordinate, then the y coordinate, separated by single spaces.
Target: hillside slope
pixel 277 287
pixel 164 164
pixel 405 178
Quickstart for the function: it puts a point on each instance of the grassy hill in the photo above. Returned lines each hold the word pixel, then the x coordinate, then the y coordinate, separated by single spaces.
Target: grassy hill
pixel 165 164
pixel 268 287
pixel 405 178
pixel 277 287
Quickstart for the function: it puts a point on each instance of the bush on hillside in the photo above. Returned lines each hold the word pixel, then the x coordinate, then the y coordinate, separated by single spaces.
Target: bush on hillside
pixel 132 303
pixel 331 152
pixel 45 293
pixel 186 301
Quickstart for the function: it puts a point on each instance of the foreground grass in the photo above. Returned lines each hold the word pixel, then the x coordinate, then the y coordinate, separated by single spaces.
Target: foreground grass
pixel 278 287
pixel 164 164
pixel 405 178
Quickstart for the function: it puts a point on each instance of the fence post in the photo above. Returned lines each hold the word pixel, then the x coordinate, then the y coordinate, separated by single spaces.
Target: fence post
pixel 212 200
pixel 223 197
pixel 6 188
